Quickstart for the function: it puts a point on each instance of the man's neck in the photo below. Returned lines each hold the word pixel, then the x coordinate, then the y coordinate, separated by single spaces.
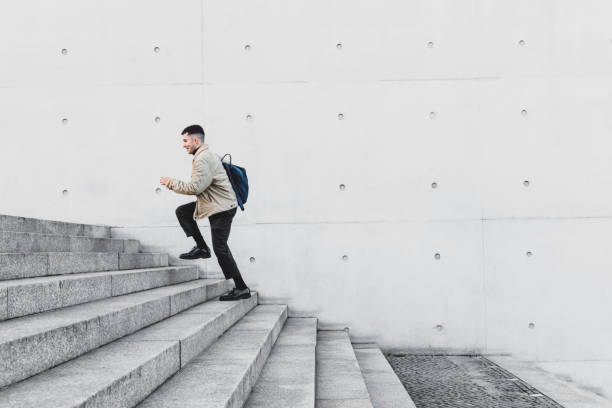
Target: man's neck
pixel 196 149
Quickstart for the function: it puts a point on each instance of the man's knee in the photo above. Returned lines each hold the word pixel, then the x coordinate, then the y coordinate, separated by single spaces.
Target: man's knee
pixel 182 210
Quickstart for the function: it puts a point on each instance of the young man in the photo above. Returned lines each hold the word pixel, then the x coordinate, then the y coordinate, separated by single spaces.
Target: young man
pixel 216 200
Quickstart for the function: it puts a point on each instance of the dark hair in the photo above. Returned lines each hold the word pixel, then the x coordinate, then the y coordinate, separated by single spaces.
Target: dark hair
pixel 193 130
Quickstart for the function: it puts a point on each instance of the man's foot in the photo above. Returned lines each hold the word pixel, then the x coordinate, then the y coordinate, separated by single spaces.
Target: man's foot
pixel 196 253
pixel 236 294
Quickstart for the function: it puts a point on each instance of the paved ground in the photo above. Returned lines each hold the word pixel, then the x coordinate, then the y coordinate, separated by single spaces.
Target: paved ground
pixel 463 381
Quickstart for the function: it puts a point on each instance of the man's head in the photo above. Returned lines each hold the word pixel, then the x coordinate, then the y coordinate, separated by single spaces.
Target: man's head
pixel 193 138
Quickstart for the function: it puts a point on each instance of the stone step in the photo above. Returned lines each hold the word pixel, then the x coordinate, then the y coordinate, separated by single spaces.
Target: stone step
pixel 385 389
pixel 32 344
pixel 339 379
pixel 288 378
pixel 36 295
pixel 22 224
pixel 29 265
pixel 123 373
pixel 224 374
pixel 34 242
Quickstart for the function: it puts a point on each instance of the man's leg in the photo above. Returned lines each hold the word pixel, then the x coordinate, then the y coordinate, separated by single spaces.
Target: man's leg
pixel 220 225
pixel 184 213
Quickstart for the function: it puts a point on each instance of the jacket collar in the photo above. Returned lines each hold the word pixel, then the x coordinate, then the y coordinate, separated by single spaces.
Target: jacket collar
pixel 201 149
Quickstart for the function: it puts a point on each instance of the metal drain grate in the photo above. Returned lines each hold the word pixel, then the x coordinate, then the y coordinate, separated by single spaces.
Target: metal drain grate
pixel 437 381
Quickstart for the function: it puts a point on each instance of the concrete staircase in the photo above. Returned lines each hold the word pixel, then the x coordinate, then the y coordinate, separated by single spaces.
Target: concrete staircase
pixel 88 321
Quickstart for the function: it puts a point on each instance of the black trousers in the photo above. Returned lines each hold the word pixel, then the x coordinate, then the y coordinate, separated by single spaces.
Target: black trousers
pixel 220 226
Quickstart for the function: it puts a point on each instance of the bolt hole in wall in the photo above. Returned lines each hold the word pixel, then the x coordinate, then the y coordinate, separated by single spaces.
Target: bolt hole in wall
pixel 65 192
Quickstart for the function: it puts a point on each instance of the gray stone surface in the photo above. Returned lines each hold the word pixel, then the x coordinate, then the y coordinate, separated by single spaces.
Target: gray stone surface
pixel 31 344
pixel 96 231
pixel 224 374
pixel 339 379
pixel 142 279
pixel 194 292
pixel 142 260
pixel 3 304
pixel 197 328
pixel 122 373
pixel 385 389
pixel 119 374
pixel 131 246
pixel 85 244
pixel 21 224
pixel 35 295
pixel 76 262
pixel 288 377
pixel 34 242
pixel 28 265
pixel 566 393
pixel 21 265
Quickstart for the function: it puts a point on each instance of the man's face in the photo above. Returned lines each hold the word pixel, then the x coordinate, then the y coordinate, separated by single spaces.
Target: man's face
pixel 190 144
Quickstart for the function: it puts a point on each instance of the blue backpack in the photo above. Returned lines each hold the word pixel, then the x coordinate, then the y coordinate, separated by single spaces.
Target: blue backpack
pixel 238 177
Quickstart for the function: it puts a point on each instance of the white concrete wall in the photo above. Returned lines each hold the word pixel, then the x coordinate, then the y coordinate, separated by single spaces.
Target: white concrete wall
pixel 477 96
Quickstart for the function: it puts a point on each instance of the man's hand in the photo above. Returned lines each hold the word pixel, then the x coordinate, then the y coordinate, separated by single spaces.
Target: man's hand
pixel 164 181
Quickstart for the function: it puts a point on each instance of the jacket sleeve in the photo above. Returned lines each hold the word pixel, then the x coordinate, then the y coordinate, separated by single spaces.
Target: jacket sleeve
pixel 201 178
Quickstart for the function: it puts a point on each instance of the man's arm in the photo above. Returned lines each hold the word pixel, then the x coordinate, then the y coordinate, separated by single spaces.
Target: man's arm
pixel 201 178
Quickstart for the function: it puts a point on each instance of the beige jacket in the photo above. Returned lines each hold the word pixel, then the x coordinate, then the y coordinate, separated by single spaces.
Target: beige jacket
pixel 209 182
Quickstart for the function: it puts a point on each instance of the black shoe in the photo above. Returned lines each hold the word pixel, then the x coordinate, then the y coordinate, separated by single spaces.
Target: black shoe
pixel 236 294
pixel 196 253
